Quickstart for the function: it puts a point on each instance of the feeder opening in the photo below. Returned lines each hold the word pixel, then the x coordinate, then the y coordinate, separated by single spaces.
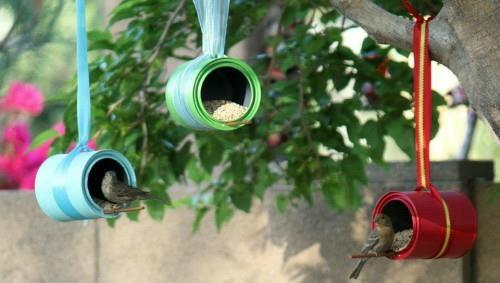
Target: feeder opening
pixel 226 94
pixel 401 222
pixel 96 175
pixel 400 215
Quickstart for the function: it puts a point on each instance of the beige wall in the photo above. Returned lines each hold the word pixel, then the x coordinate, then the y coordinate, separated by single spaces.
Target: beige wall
pixel 309 245
pixel 305 245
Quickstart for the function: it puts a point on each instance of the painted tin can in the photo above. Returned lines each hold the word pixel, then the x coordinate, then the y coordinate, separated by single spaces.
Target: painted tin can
pixel 67 185
pixel 206 78
pixel 424 213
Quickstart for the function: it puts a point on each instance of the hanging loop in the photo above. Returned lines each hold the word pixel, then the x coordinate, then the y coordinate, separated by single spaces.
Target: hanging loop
pixel 213 15
pixel 83 107
pixel 423 115
pixel 422 96
pixel 409 7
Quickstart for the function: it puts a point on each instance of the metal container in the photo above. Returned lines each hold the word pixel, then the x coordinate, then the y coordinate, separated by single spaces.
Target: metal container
pixel 67 185
pixel 425 214
pixel 206 78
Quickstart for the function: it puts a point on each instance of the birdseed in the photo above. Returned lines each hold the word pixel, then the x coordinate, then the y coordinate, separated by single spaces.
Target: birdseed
pixel 224 110
pixel 402 239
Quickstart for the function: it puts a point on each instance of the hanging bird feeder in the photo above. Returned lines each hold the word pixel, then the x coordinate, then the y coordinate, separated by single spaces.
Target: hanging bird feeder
pixel 68 186
pixel 444 224
pixel 213 78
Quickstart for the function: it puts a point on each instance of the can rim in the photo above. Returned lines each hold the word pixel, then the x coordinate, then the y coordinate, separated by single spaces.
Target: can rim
pixel 253 84
pixel 96 157
pixel 404 199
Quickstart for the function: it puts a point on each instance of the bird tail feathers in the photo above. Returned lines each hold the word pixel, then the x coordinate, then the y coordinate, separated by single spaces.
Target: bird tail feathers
pixel 355 273
pixel 142 195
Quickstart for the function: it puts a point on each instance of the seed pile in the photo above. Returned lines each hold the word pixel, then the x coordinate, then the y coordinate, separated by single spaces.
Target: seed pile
pixel 224 110
pixel 402 239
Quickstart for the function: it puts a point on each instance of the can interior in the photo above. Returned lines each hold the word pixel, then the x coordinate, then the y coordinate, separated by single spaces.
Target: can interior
pixel 96 175
pixel 226 83
pixel 399 214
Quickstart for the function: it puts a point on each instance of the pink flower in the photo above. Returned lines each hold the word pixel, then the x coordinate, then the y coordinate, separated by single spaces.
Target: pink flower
pixel 92 144
pixel 19 166
pixel 23 97
pixel 59 128
pixel 28 181
pixel 18 136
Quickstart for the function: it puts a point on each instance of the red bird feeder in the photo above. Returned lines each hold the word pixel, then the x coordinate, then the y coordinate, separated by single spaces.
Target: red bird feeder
pixel 437 231
pixel 444 224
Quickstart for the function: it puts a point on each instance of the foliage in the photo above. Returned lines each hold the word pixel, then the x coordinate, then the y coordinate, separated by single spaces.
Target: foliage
pixel 324 114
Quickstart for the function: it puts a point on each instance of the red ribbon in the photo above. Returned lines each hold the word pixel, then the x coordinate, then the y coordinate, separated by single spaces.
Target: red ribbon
pixel 423 114
pixel 422 96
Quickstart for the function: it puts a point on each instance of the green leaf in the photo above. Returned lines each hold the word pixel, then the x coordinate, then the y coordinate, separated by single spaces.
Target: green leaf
pixel 222 214
pixel 200 214
pixel 100 39
pixel 354 167
pixel 238 167
pixel 329 190
pixel 156 209
pixel 43 137
pixel 282 202
pixel 402 134
pixel 195 172
pixel 112 221
pixel 181 158
pixel 374 133
pixel 241 196
pixel 133 216
pixel 303 187
pixel 211 154
pixel 264 180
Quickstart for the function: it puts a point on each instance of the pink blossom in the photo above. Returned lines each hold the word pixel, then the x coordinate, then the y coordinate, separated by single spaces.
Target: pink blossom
pixel 17 135
pixel 92 144
pixel 59 128
pixel 23 97
pixel 28 181
pixel 20 165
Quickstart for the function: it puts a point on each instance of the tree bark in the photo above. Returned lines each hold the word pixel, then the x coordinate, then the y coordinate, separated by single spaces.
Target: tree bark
pixel 464 36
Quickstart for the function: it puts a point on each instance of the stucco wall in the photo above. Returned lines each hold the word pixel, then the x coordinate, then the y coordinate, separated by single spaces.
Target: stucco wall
pixel 307 245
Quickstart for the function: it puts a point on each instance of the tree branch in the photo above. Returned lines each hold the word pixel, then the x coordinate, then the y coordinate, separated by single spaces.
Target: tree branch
pixel 378 23
pixel 388 28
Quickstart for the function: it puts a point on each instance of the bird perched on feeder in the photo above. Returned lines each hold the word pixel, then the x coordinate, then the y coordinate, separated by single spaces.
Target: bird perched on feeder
pixel 379 241
pixel 120 193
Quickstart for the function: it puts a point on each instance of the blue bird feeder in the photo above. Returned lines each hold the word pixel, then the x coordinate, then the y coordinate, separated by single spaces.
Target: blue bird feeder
pixel 68 186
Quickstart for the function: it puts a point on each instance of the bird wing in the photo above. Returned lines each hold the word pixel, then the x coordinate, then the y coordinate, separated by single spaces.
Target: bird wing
pixel 373 239
pixel 126 193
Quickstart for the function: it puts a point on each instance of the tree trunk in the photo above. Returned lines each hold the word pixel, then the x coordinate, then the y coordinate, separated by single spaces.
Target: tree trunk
pixel 465 37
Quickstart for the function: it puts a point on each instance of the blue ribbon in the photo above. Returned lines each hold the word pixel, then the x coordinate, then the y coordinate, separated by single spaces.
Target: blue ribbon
pixel 83 91
pixel 213 15
pixel 83 110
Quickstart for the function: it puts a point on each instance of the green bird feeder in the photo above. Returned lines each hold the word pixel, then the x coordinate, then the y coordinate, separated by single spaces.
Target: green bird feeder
pixel 212 77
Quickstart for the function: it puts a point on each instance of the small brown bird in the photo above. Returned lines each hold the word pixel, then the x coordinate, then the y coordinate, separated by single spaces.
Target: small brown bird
pixel 379 241
pixel 118 192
